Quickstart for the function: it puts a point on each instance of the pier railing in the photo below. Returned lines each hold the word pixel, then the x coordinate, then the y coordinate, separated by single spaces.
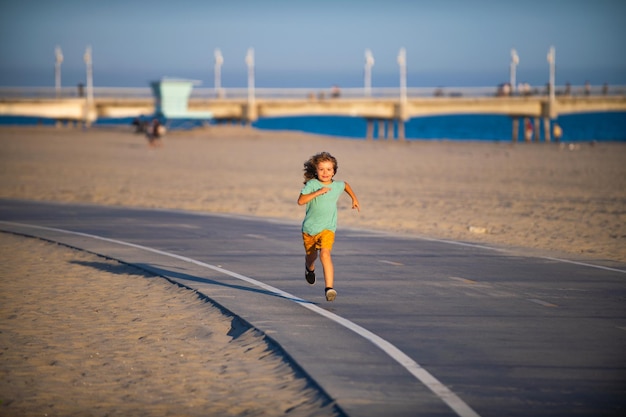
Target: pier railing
pixel 299 93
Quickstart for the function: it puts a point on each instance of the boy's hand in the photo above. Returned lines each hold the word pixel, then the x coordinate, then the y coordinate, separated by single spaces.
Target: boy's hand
pixel 356 205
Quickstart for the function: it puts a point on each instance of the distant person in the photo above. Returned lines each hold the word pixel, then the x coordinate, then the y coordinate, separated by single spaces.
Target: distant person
pixel 587 88
pixel 154 133
pixel 139 124
pixel 557 132
pixel 523 89
pixel 568 89
pixel 504 90
pixel 335 92
pixel 320 194
pixel 605 89
pixel 528 129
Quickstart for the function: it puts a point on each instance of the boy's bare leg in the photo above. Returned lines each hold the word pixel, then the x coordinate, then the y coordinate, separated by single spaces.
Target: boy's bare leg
pixel 310 261
pixel 329 269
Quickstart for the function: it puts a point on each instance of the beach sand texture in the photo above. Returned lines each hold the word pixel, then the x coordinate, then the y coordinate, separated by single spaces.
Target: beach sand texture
pixel 86 336
pixel 81 333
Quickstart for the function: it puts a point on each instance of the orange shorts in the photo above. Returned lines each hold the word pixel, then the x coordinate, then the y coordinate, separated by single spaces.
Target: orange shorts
pixel 323 240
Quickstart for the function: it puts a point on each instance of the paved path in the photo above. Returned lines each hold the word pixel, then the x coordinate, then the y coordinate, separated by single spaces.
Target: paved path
pixel 420 327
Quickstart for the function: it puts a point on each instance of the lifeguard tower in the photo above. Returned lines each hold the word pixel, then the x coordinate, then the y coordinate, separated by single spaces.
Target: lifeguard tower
pixel 171 101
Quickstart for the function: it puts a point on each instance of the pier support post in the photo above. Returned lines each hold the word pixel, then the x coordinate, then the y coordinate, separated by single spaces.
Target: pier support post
pixel 515 132
pixel 546 129
pixel 537 128
pixel 382 129
pixel 250 113
pixel 369 130
pixel 401 135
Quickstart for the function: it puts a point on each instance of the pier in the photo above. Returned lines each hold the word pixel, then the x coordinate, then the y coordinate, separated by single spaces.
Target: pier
pixel 384 107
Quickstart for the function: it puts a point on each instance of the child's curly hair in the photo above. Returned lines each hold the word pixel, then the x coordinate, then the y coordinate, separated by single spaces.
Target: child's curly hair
pixel 310 166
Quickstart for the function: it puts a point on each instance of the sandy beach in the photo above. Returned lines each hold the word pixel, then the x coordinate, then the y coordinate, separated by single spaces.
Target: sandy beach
pixel 66 350
pixel 86 336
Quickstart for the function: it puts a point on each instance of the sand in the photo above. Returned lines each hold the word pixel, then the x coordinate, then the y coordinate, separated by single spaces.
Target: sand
pixel 85 336
pixel 80 333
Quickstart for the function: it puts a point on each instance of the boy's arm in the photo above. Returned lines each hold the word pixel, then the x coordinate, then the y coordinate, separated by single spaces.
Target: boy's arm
pixel 355 201
pixel 305 198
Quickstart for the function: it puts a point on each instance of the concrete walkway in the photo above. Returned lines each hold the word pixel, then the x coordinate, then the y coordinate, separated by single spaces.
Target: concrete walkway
pixel 419 327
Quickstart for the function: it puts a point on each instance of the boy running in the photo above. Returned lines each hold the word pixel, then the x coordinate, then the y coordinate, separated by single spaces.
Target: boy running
pixel 320 194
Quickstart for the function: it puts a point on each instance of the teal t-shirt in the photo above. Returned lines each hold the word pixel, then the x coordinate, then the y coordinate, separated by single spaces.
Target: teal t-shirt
pixel 321 212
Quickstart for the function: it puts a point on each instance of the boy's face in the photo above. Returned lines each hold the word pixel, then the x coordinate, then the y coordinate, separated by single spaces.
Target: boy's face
pixel 325 171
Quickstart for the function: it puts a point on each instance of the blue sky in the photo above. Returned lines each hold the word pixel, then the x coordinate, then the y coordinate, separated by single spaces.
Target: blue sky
pixel 301 42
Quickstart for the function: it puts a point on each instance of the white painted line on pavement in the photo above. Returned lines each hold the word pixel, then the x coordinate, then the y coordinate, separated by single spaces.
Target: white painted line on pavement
pixel 541 302
pixel 444 393
pixel 567 261
pixel 390 262
pixel 465 280
pixel 502 250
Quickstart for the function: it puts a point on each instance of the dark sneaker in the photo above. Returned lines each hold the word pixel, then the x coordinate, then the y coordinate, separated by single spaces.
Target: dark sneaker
pixel 330 294
pixel 310 276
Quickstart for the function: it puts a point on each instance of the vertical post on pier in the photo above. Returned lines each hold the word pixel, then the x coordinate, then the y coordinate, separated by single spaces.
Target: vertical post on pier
pixel 219 60
pixel 514 62
pixel 89 95
pixel 251 111
pixel 402 64
pixel 551 60
pixel 515 132
pixel 57 70
pixel 57 75
pixel 367 82
pixel 403 92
